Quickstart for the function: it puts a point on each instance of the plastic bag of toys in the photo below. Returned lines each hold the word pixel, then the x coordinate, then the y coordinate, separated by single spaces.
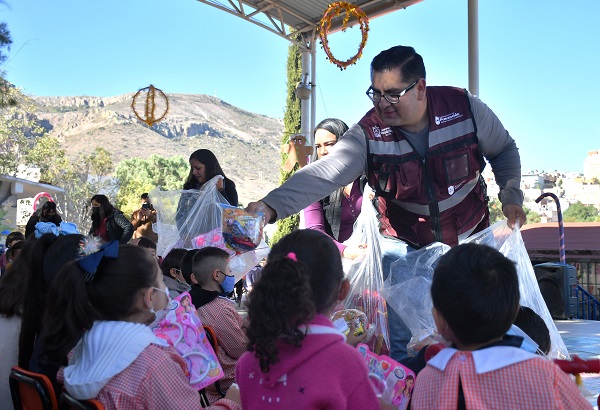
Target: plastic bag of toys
pixel 366 278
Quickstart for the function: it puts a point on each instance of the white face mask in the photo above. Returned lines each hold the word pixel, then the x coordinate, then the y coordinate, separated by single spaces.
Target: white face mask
pixel 160 315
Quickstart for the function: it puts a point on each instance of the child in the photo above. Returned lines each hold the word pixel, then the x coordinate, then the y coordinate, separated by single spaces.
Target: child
pixel 211 271
pixel 296 358
pixel 107 299
pixel 11 239
pixel 475 294
pixel 148 245
pixel 534 326
pixel 171 269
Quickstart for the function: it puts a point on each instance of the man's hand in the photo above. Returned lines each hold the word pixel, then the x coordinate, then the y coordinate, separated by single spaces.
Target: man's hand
pixel 260 206
pixel 514 213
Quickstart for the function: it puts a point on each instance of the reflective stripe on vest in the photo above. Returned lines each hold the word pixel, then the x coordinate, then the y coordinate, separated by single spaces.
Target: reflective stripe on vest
pixel 378 147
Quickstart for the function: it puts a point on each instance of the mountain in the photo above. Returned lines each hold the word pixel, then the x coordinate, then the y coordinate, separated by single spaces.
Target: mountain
pixel 246 144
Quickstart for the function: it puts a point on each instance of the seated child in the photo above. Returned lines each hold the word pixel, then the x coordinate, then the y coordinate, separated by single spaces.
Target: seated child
pixel 475 294
pixel 211 271
pixel 534 326
pixel 105 301
pixel 297 359
pixel 171 269
pixel 147 244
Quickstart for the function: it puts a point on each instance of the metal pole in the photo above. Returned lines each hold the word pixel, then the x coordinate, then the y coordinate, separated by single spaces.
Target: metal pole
pixel 304 113
pixel 473 47
pixel 561 228
pixel 313 89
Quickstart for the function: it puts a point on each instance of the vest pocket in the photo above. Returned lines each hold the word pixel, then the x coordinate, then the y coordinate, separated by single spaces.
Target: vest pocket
pixel 386 184
pixel 457 168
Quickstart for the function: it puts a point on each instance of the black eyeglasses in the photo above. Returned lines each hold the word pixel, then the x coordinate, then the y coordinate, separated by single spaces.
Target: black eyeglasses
pixel 392 98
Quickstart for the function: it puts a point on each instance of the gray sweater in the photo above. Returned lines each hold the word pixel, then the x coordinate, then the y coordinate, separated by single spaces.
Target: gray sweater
pixel 349 159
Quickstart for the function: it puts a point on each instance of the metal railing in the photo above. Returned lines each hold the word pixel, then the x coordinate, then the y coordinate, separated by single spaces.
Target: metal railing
pixel 587 306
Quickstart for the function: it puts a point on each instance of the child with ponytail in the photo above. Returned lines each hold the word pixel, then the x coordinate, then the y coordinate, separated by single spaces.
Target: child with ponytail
pixel 297 359
pixel 99 309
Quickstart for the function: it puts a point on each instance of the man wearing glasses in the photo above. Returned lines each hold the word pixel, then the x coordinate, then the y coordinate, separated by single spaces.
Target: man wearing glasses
pixel 423 150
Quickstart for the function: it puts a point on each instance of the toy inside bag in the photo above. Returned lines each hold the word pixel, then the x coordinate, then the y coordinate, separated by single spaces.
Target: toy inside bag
pixel 242 231
pixel 391 381
pixel 182 329
pixel 344 319
pixel 212 238
pixel 365 275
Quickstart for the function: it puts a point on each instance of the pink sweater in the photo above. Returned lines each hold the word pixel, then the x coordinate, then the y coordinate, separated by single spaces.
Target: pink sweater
pixel 324 373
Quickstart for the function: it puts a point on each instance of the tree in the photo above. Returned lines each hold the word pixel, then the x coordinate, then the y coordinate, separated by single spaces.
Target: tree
pixel 81 179
pixel 138 175
pixel 19 129
pixel 291 122
pixel 578 212
pixel 5 41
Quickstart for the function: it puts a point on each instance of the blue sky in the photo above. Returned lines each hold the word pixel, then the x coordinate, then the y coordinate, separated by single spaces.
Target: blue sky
pixel 539 60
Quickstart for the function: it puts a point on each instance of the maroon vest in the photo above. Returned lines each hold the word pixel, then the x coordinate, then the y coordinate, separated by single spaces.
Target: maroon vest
pixel 438 197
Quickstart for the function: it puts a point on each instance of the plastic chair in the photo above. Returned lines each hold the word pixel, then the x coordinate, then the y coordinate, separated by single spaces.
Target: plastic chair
pixel 31 391
pixel 212 339
pixel 68 402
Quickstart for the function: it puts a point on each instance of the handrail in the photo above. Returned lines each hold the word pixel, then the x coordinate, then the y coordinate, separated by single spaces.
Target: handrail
pixel 588 307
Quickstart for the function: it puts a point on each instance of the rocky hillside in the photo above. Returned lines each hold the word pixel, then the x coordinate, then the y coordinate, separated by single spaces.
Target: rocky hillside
pixel 246 144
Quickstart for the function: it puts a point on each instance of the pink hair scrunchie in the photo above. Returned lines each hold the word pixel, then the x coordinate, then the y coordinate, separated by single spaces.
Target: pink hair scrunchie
pixel 292 256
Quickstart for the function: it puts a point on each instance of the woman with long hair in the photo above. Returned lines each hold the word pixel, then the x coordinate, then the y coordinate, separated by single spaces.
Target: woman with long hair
pixel 109 223
pixel 47 213
pixel 204 166
pixel 336 213
pixel 190 219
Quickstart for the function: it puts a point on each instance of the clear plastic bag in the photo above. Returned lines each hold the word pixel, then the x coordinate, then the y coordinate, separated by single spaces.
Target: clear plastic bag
pixel 408 293
pixel 183 215
pixel 366 278
pixel 407 290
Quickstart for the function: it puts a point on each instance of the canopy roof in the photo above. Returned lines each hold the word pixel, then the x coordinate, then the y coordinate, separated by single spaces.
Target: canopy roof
pixel 288 17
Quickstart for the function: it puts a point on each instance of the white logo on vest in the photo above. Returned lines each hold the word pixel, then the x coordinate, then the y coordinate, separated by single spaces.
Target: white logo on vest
pixel 447 117
pixel 450 190
pixel 376 131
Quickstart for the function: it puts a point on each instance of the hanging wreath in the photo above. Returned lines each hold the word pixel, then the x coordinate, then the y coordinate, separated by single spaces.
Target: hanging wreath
pixel 334 10
pixel 148 97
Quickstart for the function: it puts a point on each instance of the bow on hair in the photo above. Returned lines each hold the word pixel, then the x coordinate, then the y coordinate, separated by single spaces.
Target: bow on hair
pixel 65 228
pixel 89 263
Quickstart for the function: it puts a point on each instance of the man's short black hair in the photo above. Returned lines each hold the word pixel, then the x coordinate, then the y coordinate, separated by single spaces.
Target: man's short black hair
pixel 476 289
pixel 144 195
pixel 406 58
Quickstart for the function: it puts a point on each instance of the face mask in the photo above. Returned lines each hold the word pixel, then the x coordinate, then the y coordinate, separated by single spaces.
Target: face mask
pixel 160 315
pixel 528 344
pixel 228 284
pixel 95 209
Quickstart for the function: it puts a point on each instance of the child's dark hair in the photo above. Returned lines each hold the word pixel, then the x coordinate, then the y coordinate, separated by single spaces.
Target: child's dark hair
pixel 534 326
pixel 292 289
pixel 14 236
pixel 146 243
pixel 172 261
pixel 17 246
pixel 186 265
pixel 476 289
pixel 34 298
pixel 206 260
pixel 74 305
pixel 14 281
